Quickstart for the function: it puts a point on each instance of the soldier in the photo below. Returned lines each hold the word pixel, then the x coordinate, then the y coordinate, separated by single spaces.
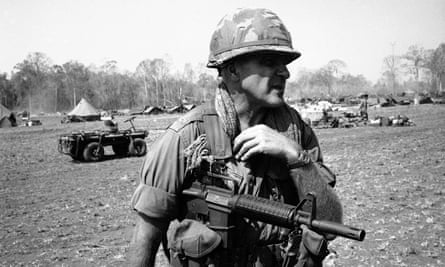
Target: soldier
pixel 111 124
pixel 363 108
pixel 261 140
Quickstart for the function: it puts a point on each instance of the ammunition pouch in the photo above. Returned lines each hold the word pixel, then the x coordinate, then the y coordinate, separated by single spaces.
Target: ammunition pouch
pixel 190 241
pixel 313 249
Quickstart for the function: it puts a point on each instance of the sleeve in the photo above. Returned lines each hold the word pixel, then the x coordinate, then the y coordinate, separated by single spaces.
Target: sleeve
pixel 306 136
pixel 162 176
pixel 312 178
pixel 309 142
pixel 316 177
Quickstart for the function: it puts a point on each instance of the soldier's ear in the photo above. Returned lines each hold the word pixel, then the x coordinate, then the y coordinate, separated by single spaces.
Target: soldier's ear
pixel 229 73
pixel 233 71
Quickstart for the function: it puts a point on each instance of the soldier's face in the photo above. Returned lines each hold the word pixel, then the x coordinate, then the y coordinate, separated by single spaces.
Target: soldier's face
pixel 263 78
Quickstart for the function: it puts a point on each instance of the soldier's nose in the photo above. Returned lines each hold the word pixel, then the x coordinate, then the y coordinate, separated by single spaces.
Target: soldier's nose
pixel 283 72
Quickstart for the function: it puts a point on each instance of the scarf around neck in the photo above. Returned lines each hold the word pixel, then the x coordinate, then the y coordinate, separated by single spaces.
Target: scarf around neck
pixel 225 107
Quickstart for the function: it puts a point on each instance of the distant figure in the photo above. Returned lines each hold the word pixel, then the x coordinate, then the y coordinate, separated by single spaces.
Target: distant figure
pixel 25 115
pixel 111 124
pixel 364 108
pixel 325 116
pixel 13 120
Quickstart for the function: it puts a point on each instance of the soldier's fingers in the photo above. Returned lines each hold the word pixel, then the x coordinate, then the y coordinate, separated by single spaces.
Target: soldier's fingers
pixel 258 149
pixel 260 132
pixel 246 147
pixel 241 139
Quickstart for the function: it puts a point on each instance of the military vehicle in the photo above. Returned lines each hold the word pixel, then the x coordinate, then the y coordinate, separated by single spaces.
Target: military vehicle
pixel 89 145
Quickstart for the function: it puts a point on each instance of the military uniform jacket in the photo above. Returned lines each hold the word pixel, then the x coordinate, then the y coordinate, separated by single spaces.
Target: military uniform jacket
pixel 163 172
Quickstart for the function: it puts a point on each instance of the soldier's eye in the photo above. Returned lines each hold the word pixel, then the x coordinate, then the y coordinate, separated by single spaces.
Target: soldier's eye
pixel 268 61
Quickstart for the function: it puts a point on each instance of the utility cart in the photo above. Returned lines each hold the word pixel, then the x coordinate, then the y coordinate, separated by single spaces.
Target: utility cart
pixel 89 145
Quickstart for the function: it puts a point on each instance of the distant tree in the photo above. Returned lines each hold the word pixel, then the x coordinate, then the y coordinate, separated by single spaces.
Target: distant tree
pixel 328 75
pixel 301 86
pixel 206 86
pixel 182 89
pixel 353 85
pixel 183 84
pixel 331 80
pixel 77 83
pixel 110 67
pixel 380 87
pixel 160 72
pixel 323 78
pixel 189 73
pixel 303 78
pixel 391 67
pixel 154 74
pixel 130 92
pixel 436 63
pixel 415 60
pixel 7 97
pixel 292 91
pixel 336 67
pixel 108 83
pixel 56 83
pixel 143 73
pixel 30 77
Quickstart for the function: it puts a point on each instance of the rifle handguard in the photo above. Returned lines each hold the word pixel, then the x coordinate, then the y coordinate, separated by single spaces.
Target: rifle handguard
pixel 288 216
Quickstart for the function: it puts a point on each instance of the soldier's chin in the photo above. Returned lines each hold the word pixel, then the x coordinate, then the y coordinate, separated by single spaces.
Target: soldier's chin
pixel 279 94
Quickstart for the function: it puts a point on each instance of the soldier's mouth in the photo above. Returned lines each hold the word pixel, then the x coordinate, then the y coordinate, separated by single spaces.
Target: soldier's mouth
pixel 278 87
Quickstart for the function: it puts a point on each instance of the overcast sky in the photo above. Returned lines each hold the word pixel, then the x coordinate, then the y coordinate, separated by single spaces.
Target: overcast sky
pixel 361 33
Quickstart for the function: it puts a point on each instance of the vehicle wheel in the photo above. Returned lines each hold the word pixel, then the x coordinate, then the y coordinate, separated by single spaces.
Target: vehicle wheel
pixel 93 152
pixel 139 147
pixel 120 149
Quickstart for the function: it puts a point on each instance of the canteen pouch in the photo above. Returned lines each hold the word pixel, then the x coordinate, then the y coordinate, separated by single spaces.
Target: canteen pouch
pixel 190 238
pixel 313 249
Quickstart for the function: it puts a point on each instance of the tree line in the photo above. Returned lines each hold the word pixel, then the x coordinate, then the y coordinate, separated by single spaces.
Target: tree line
pixel 38 85
pixel 419 70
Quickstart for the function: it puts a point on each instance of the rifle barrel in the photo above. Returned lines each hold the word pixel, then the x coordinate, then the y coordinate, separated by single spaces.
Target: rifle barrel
pixel 333 228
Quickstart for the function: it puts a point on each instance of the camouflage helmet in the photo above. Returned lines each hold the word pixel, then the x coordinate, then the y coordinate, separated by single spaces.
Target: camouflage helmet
pixel 246 31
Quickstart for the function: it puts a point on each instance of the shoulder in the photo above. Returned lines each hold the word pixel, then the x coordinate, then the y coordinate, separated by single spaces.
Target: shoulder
pixel 291 109
pixel 292 114
pixel 194 116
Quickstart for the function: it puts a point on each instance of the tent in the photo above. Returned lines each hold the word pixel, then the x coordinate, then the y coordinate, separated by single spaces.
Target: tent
pixel 189 107
pixel 381 101
pixel 152 110
pixel 7 118
pixel 84 111
pixel 401 100
pixel 137 111
pixel 176 109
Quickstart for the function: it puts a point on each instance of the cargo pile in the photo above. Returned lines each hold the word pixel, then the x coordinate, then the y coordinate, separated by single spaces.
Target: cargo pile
pixel 399 120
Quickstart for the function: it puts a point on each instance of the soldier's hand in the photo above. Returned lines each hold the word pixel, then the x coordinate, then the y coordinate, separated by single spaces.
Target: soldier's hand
pixel 261 139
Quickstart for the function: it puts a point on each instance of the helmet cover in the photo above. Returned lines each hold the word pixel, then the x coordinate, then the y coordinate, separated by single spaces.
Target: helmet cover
pixel 248 31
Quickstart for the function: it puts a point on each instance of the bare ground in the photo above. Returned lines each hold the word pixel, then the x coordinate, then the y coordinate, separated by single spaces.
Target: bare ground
pixel 58 212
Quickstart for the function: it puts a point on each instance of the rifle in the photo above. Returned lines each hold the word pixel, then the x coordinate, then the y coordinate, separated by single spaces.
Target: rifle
pixel 210 200
pixel 268 211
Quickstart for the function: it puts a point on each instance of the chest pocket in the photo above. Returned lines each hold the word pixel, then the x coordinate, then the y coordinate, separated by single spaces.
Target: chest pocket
pixel 218 141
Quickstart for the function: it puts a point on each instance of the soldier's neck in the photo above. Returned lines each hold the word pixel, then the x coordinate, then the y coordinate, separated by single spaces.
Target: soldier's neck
pixel 248 114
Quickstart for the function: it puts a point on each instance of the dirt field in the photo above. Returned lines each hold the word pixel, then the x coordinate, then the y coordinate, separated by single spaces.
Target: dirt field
pixel 57 212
